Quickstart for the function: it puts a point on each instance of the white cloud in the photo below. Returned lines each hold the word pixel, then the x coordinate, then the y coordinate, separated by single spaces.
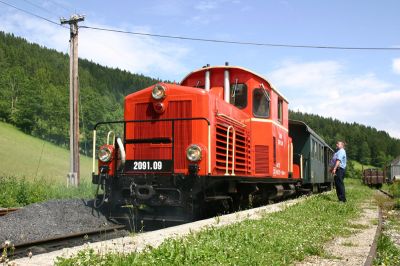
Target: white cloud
pixel 206 5
pixel 396 66
pixel 138 54
pixel 325 88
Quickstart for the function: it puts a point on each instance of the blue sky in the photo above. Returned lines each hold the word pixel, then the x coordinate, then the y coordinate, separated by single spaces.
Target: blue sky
pixel 360 86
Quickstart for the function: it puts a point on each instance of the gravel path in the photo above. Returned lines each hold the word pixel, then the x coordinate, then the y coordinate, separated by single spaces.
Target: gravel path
pixel 155 238
pixel 351 250
pixel 50 219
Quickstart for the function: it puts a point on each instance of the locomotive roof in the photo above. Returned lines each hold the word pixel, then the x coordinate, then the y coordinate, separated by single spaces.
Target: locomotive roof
pixel 241 68
pixel 312 132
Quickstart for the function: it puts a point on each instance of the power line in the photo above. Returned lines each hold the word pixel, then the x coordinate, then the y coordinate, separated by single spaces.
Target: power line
pixel 243 42
pixel 60 5
pixel 32 14
pixel 40 7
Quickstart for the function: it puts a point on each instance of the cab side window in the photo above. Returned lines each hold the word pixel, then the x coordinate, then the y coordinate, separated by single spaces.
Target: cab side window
pixel 280 110
pixel 261 103
pixel 238 95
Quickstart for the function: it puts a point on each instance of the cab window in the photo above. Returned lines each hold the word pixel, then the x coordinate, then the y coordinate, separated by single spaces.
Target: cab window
pixel 238 95
pixel 280 110
pixel 261 102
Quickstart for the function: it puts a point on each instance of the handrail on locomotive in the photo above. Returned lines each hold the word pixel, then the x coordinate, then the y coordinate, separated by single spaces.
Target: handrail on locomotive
pixel 230 128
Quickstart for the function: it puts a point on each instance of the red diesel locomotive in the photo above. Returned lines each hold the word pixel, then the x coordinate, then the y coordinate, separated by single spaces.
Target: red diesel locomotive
pixel 218 141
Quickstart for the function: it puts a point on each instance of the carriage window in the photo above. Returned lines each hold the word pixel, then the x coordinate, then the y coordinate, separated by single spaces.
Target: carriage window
pixel 312 148
pixel 238 95
pixel 280 110
pixel 319 153
pixel 260 103
pixel 315 150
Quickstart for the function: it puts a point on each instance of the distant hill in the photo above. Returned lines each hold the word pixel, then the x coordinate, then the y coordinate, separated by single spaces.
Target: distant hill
pixel 364 144
pixel 34 89
pixel 26 156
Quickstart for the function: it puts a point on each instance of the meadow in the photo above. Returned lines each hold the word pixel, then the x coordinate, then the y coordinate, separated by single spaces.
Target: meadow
pixel 33 170
pixel 25 156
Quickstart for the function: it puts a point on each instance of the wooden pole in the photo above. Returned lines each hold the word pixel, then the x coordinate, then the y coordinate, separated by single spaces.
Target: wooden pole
pixel 73 178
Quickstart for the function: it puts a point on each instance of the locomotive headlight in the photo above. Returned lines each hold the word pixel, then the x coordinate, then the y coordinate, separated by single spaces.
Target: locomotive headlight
pixel 105 154
pixel 158 92
pixel 193 153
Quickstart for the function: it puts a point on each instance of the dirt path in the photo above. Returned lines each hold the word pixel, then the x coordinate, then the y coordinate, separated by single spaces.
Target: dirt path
pixel 352 250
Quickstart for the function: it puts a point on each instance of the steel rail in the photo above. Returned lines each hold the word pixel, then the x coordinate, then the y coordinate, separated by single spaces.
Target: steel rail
pixel 386 193
pixel 374 246
pixel 7 211
pixel 373 250
pixel 20 250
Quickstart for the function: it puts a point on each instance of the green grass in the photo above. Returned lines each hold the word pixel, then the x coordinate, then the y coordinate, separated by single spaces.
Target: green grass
pixel 387 253
pixel 394 189
pixel 21 156
pixel 277 239
pixel 33 170
pixel 18 192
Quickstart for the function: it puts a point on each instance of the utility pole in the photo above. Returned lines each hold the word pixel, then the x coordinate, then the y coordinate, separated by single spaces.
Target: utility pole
pixel 73 178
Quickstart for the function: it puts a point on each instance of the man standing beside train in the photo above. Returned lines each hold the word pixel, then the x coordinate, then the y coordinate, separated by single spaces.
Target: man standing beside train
pixel 339 170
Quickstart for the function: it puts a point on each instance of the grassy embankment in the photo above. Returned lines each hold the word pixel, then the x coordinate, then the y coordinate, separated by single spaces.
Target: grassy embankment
pixel 277 239
pixel 358 166
pixel 33 170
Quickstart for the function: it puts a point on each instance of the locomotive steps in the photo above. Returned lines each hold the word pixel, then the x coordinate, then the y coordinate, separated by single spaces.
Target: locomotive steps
pixel 275 236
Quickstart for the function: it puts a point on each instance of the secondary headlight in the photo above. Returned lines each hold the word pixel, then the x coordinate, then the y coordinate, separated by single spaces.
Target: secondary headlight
pixel 193 153
pixel 105 154
pixel 158 92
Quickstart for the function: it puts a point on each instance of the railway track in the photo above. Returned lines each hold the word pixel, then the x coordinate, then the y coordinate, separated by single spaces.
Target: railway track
pixel 386 193
pixel 7 210
pixel 21 250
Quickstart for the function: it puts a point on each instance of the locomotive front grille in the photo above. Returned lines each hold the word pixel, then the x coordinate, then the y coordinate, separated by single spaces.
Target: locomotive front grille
pixel 178 131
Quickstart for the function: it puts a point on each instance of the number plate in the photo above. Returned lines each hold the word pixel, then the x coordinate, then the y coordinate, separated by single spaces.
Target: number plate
pixel 148 166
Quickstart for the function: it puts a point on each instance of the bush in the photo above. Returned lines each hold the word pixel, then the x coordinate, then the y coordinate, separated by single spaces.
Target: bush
pixel 395 189
pixel 351 171
pixel 20 192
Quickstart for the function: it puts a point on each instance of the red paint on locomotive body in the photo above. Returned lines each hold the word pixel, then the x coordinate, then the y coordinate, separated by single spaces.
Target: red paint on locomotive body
pixel 262 146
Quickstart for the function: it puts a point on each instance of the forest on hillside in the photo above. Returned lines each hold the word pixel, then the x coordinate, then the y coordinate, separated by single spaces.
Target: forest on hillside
pixel 34 91
pixel 34 96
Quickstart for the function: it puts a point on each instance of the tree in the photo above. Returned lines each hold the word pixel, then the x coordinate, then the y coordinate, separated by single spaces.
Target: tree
pixel 365 153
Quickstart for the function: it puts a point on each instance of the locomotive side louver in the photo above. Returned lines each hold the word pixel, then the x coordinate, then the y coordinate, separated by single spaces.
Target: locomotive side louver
pixel 261 159
pixel 242 148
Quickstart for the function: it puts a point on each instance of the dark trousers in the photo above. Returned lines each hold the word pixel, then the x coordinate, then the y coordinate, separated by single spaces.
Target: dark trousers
pixel 339 184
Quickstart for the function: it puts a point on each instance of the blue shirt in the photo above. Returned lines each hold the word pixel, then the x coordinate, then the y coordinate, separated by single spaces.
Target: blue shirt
pixel 341 156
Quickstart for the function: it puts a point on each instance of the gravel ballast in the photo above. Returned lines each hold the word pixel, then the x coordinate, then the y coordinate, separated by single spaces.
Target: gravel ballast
pixel 51 219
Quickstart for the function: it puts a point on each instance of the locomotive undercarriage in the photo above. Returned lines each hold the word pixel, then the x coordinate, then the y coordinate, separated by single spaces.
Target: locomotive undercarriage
pixel 149 201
